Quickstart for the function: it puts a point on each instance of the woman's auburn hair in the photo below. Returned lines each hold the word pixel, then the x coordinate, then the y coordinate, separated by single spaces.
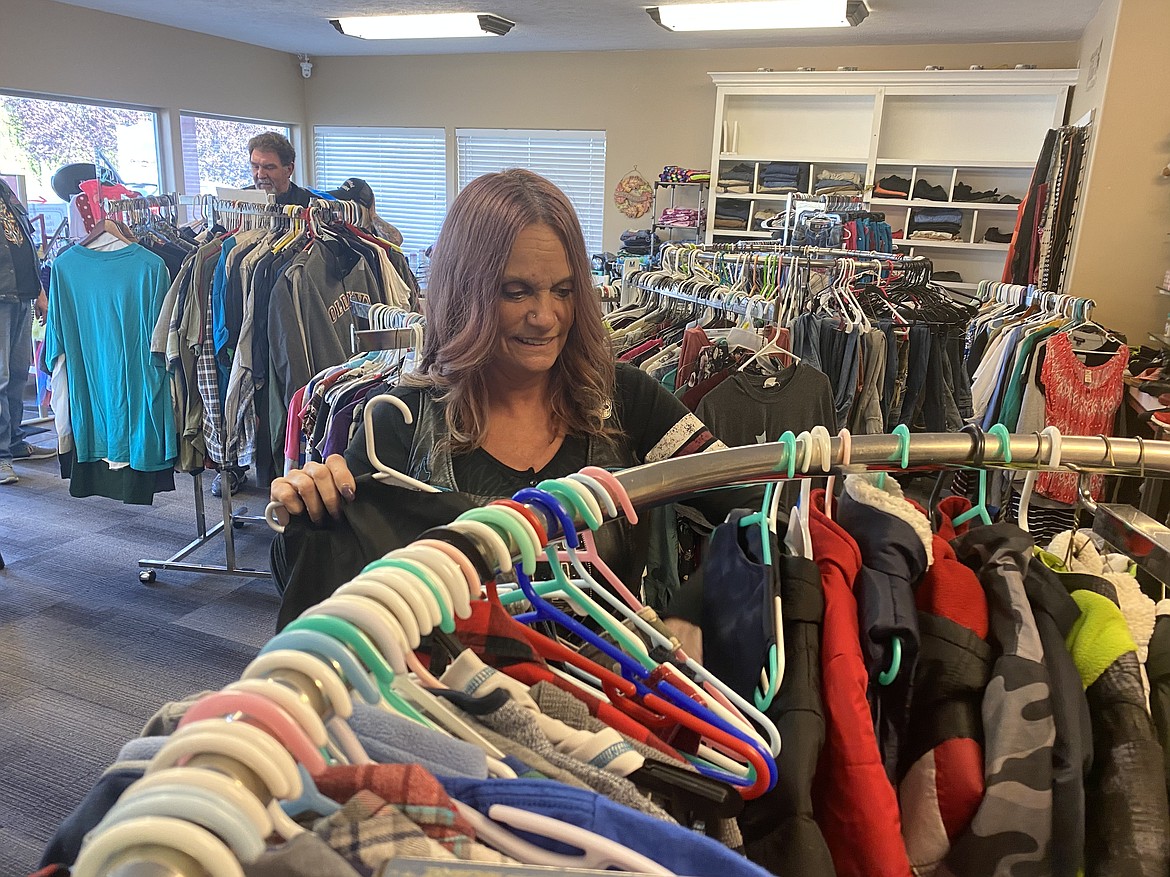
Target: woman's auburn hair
pixel 462 308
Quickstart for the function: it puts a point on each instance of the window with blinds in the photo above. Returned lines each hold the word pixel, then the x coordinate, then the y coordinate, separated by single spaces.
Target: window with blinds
pixel 574 160
pixel 406 168
pixel 215 151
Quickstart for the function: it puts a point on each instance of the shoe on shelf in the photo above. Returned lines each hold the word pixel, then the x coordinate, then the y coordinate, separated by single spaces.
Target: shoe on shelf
pixel 7 473
pixel 926 192
pixel 237 478
pixel 994 236
pixel 27 451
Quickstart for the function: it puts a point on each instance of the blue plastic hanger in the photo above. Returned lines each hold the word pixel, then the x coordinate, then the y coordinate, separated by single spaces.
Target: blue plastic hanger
pixel 331 651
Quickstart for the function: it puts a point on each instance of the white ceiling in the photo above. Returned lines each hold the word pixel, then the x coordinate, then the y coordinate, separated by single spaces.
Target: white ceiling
pixel 594 25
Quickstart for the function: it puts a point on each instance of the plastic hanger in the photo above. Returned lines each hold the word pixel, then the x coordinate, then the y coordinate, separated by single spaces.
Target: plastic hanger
pixel 319 684
pixel 425 577
pixel 236 743
pixel 266 715
pixel 150 839
pixel 332 651
pixel 726 702
pixel 488 538
pixel 466 567
pixel 845 440
pixel 522 533
pixel 753 748
pixel 1053 462
pixel 296 705
pixel 422 601
pixel 598 853
pixel 217 785
pixel 248 745
pixel 980 508
pixel 218 815
pixel 444 569
pixel 348 635
pixel 402 612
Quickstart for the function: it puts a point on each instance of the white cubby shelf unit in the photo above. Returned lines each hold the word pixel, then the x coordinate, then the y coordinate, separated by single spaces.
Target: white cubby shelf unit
pixel 945 129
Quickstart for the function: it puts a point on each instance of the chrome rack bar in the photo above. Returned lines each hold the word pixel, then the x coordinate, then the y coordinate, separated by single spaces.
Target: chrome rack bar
pixel 1136 535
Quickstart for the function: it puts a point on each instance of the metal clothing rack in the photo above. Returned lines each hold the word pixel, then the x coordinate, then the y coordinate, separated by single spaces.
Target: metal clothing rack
pixel 232 519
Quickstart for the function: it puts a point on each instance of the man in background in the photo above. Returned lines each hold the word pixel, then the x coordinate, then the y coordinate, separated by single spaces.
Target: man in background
pixel 273 161
pixel 20 286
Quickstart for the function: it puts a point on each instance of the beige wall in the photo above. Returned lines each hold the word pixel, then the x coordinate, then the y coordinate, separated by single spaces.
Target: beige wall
pixel 68 51
pixel 1123 244
pixel 657 108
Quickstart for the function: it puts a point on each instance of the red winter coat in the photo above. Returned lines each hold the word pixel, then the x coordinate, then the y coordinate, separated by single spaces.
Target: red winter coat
pixel 853 800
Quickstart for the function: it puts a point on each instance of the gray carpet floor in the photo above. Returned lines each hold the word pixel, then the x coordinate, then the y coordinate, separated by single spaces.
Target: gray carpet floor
pixel 87 652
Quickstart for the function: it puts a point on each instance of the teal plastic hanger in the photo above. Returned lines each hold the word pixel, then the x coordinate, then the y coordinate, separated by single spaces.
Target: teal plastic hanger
pixel 764 699
pixel 891 673
pixel 356 639
pixel 979 509
pixel 424 575
pixel 902 455
pixel 506 525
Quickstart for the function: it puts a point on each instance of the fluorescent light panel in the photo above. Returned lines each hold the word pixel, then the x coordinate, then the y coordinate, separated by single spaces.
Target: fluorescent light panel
pixel 767 15
pixel 443 25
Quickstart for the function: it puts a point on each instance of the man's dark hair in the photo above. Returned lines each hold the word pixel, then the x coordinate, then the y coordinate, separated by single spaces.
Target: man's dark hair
pixel 272 141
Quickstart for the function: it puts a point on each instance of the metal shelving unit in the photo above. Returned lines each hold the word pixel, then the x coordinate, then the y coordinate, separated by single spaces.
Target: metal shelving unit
pixel 691 195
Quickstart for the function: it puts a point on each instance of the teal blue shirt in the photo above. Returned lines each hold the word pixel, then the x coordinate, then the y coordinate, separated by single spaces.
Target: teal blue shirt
pixel 102 310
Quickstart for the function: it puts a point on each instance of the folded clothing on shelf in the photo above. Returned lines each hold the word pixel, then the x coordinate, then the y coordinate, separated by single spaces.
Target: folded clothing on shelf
pixel 933 235
pixel 947 276
pixel 892 186
pixel 963 192
pixel 929 192
pixel 939 219
pixel 788 176
pixel 737 173
pixel 994 236
pixel 672 173
pixel 679 216
pixel 639 241
pixel 732 214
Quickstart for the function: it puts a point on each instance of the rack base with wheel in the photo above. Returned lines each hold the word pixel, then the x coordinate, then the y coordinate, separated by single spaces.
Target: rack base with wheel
pixel 233 519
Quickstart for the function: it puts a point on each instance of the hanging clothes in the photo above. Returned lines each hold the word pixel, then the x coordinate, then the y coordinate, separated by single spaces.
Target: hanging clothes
pixel 1013 825
pixel 102 307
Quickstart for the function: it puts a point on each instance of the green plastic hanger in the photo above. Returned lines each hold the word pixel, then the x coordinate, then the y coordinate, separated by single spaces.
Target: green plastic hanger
pixel 571 498
pixel 979 509
pixel 902 455
pixel 424 575
pixel 507 525
pixel 356 639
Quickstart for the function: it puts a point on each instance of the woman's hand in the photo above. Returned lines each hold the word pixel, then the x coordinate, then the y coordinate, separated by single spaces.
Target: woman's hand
pixel 316 489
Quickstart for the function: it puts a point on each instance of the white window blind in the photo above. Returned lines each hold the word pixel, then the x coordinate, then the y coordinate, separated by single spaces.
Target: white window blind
pixel 406 168
pixel 574 160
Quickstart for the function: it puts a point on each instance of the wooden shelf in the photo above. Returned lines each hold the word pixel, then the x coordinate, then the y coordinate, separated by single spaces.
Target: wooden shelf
pixel 963 205
pixel 725 232
pixel 950 245
pixel 768 159
pixel 966 165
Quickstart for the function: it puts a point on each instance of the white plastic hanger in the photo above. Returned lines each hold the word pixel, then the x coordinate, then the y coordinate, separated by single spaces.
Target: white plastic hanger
pixel 598 853
pixel 1053 462
pixel 321 687
pixel 150 839
pixel 217 784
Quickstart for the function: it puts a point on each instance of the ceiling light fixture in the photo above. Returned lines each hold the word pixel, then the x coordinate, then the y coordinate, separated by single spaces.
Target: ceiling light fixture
pixel 765 15
pixel 445 25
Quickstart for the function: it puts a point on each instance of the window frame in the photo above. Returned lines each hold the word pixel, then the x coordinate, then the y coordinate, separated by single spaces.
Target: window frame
pixel 271 124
